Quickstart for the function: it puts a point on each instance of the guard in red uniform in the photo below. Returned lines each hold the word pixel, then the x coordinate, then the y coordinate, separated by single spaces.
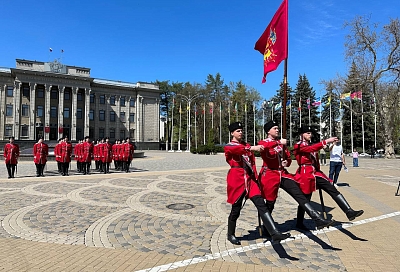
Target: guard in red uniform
pixel 121 155
pixel 40 153
pixel 96 156
pixel 273 174
pixel 310 177
pixel 106 152
pixel 57 154
pixel 11 155
pixel 127 154
pixel 66 152
pixel 241 184
pixel 78 156
pixel 87 155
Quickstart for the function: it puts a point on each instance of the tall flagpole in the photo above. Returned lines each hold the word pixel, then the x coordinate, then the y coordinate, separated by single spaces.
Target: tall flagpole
pixel 300 110
pixel 245 119
pixel 282 123
pixel 254 123
pixel 330 113
pixel 172 132
pixel 263 106
pixel 180 124
pixel 195 124
pixel 229 118
pixel 375 119
pixel 220 123
pixel 283 108
pixel 351 124
pixel 341 123
pixel 362 123
pixel 204 124
pixel 290 122
pixel 309 111
pixel 320 123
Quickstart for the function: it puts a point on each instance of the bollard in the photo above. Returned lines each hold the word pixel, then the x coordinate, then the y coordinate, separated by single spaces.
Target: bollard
pixel 397 193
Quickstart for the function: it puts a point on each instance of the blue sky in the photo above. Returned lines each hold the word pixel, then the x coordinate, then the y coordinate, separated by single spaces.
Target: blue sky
pixel 181 40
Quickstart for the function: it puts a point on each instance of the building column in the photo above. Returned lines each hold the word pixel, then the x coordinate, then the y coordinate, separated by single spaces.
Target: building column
pixel 73 113
pixel 32 113
pixel 118 101
pixel 87 110
pixel 127 115
pixel 47 111
pixel 2 109
pixel 138 118
pixel 61 112
pixel 157 130
pixel 107 117
pixel 17 105
pixel 96 113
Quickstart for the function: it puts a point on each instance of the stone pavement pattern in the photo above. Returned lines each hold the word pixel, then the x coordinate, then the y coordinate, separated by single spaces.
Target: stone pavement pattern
pixel 171 211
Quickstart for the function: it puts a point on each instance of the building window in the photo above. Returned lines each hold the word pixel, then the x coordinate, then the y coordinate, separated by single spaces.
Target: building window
pixel 9 110
pixel 132 117
pixel 132 102
pixel 10 91
pixel 78 113
pixel 25 110
pixel 91 98
pixel 79 96
pixel 102 115
pixel 26 91
pixel 54 94
pixel 79 133
pixel 66 112
pixel 9 129
pixel 112 133
pixel 91 133
pixel 122 101
pixel 40 92
pixel 91 115
pixel 40 111
pixel 67 95
pixel 102 99
pixel 101 133
pixel 122 116
pixel 53 112
pixel 24 131
pixel 112 100
pixel 122 133
pixel 112 116
pixel 132 134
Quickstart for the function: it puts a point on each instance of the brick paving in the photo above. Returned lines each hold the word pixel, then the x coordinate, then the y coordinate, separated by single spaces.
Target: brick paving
pixel 170 213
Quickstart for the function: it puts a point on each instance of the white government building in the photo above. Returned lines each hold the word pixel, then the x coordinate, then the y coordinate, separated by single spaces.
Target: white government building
pixel 51 99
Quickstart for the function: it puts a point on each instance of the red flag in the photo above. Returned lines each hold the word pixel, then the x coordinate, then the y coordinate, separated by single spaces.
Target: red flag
pixel 273 43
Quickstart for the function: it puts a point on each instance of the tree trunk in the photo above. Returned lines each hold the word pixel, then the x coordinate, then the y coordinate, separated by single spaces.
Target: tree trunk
pixel 388 128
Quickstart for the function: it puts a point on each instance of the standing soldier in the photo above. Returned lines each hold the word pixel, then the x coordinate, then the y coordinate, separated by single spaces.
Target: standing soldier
pixel 87 155
pixel 101 155
pixel 241 184
pixel 273 174
pixel 106 155
pixel 57 154
pixel 310 176
pixel 96 155
pixel 40 153
pixel 128 154
pixel 115 148
pixel 66 151
pixel 11 155
pixel 121 155
pixel 78 155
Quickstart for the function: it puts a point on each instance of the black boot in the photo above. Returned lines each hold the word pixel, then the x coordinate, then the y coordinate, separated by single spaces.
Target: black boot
pixel 9 170
pixel 13 170
pixel 270 205
pixel 231 233
pixel 350 213
pixel 320 222
pixel 37 170
pixel 42 170
pixel 271 228
pixel 300 219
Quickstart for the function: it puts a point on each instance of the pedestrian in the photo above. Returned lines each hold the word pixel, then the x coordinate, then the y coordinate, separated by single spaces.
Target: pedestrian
pixel 87 155
pixel 11 155
pixel 40 153
pixel 106 152
pixel 241 184
pixel 355 158
pixel 322 155
pixel 310 177
pixel 336 160
pixel 372 151
pixel 276 157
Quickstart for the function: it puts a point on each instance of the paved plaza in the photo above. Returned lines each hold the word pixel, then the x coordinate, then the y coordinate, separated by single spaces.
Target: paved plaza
pixel 170 213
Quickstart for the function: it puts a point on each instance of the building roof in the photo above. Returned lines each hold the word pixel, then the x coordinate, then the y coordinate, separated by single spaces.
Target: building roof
pixel 5 70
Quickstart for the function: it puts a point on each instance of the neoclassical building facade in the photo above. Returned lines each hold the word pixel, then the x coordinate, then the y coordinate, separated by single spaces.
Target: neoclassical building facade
pixel 51 99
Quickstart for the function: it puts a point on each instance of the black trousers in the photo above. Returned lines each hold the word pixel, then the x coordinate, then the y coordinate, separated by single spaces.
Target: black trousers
pixel 39 169
pixel 11 169
pixel 127 164
pixel 86 167
pixel 258 201
pixel 106 167
pixel 64 168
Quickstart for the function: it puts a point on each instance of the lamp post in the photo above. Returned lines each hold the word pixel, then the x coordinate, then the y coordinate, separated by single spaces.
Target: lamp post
pixel 263 105
pixel 189 100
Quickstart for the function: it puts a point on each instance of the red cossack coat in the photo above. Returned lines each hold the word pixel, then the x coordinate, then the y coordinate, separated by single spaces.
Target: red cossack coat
pixel 271 172
pixel 106 152
pixel 127 152
pixel 307 158
pixel 87 152
pixel 65 151
pixel 238 181
pixel 57 152
pixel 11 153
pixel 40 153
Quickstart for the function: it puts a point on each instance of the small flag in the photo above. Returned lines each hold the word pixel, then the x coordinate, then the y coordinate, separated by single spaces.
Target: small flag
pixel 51 49
pixel 344 95
pixel 308 103
pixel 245 107
pixel 236 108
pixel 356 95
pixel 288 103
pixel 317 101
pixel 173 102
pixel 278 106
pixel 180 108
pixel 329 101
pixel 299 108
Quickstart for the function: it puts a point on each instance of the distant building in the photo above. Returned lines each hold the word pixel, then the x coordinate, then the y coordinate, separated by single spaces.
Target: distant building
pixel 51 99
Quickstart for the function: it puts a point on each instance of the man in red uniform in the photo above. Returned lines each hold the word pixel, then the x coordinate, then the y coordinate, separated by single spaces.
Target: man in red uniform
pixel 273 174
pixel 87 155
pixel 115 150
pixel 241 184
pixel 11 155
pixel 78 155
pixel 40 153
pixel 310 177
pixel 121 155
pixel 57 154
pixel 127 154
pixel 66 152
pixel 106 155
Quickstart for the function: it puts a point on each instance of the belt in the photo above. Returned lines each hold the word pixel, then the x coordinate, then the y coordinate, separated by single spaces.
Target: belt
pixel 236 166
pixel 278 169
pixel 306 165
